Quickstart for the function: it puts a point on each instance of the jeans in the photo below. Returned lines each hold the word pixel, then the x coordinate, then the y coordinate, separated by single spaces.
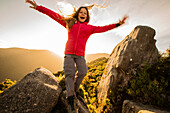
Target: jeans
pixel 72 83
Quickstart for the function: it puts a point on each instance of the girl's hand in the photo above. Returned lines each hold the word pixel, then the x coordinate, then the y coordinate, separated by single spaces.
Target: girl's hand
pixel 123 20
pixel 33 3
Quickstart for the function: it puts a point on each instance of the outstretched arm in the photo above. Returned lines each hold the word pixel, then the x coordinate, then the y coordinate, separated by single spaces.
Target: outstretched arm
pixel 47 11
pixel 100 29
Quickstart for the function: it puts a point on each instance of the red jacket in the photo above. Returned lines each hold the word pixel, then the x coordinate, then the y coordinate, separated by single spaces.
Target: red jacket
pixel 78 34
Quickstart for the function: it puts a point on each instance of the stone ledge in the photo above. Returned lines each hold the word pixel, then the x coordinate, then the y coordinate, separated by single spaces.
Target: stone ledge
pixel 134 107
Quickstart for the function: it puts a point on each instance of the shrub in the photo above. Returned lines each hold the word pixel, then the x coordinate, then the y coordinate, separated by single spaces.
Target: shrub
pixel 151 83
pixel 6 84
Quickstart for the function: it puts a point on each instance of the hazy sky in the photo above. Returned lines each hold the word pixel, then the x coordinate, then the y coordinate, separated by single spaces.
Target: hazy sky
pixel 21 26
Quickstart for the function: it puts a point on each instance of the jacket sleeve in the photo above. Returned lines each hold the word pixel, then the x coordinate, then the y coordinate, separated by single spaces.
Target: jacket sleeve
pixel 51 14
pixel 100 29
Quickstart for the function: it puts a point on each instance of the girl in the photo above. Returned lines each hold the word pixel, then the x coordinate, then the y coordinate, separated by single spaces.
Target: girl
pixel 78 33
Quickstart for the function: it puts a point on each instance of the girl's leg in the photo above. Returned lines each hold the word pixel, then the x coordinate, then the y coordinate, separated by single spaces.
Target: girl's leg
pixel 82 70
pixel 69 70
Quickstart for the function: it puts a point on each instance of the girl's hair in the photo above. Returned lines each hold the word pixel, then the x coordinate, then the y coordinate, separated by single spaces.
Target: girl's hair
pixel 70 21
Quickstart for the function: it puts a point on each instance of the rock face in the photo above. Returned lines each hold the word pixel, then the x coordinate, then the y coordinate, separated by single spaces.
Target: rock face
pixel 133 107
pixel 37 92
pixel 137 48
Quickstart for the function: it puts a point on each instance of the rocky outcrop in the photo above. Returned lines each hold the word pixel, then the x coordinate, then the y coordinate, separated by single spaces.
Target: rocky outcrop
pixel 137 48
pixel 37 92
pixel 133 107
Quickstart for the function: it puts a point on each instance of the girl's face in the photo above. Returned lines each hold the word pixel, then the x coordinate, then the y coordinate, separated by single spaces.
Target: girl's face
pixel 82 16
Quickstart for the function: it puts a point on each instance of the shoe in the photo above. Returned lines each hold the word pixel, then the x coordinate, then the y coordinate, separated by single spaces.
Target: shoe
pixel 71 102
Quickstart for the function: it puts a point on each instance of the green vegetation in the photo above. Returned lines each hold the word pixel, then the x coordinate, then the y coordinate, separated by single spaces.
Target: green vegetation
pixel 151 83
pixel 91 81
pixel 6 84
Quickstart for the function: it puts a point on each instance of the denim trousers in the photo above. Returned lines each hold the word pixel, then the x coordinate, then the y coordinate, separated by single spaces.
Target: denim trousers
pixel 72 82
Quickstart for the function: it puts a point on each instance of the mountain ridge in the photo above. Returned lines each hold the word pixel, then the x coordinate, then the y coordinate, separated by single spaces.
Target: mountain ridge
pixel 16 62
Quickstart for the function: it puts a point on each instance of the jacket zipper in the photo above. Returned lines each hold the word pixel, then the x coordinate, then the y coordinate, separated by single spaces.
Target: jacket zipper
pixel 77 39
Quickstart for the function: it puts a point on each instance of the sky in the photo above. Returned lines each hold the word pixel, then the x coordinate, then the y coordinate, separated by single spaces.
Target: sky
pixel 23 27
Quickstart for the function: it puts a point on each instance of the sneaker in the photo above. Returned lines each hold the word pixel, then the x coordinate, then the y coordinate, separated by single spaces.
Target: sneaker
pixel 71 102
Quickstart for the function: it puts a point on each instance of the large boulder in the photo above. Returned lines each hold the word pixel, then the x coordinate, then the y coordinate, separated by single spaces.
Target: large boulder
pixel 137 48
pixel 134 107
pixel 37 92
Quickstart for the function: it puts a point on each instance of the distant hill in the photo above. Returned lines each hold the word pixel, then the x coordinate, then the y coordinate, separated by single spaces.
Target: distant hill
pixel 17 62
pixel 91 57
